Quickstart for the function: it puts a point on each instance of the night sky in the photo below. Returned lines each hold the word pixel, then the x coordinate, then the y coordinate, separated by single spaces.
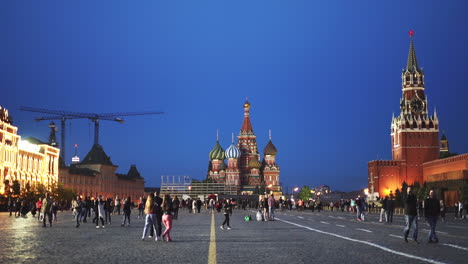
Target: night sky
pixel 324 76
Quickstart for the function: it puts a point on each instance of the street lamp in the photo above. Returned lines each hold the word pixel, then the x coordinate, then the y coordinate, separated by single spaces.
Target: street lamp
pixel 295 190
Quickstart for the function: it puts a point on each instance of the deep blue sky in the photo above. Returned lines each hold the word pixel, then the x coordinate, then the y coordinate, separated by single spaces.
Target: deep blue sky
pixel 325 76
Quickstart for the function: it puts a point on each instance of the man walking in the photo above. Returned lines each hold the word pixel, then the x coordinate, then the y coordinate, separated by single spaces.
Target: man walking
pixel 46 212
pixel 411 215
pixel 432 211
pixel 271 207
pixel 390 208
pixel 383 208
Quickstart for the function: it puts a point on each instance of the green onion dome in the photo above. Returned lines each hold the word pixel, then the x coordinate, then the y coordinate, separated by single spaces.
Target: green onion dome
pixel 270 149
pixel 217 152
pixel 255 163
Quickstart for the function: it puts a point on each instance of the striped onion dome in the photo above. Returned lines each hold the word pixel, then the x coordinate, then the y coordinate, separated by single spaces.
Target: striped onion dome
pixel 217 152
pixel 270 149
pixel 233 152
pixel 255 163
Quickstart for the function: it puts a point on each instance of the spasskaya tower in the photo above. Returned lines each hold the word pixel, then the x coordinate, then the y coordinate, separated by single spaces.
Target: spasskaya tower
pixel 415 134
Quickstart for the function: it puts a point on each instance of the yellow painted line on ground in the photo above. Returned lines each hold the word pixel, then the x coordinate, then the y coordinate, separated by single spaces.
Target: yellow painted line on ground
pixel 212 250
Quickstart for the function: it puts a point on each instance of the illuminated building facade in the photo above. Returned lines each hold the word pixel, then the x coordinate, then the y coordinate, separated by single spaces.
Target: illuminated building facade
pixel 96 175
pixel 29 161
pixel 416 149
pixel 245 169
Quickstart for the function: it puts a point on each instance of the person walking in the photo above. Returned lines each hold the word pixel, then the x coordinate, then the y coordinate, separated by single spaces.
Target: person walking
pixel 101 211
pixel 227 210
pixel 108 209
pixel 390 208
pixel 461 210
pixel 432 211
pixel 39 207
pixel 157 210
pixel 383 209
pixel 411 215
pixel 442 210
pixel 46 212
pixel 78 209
pixel 271 207
pixel 175 207
pixel 11 205
pixel 141 208
pixel 150 216
pixel 54 210
pixel 167 208
pixel 266 215
pixel 117 204
pixel 127 210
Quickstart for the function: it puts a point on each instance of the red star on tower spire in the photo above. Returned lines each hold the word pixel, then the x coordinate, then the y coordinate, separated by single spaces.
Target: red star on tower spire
pixel 411 33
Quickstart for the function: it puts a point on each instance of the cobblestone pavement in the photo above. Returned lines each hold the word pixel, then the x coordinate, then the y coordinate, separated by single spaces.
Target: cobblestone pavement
pixel 295 237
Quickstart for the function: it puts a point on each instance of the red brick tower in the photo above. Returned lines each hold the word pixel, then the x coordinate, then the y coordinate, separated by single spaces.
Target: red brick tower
pixel 414 133
pixel 247 144
pixel 270 169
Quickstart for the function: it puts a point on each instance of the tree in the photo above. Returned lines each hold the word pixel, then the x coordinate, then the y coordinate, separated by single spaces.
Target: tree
pixel 305 194
pixel 464 192
pixel 16 188
pixel 63 193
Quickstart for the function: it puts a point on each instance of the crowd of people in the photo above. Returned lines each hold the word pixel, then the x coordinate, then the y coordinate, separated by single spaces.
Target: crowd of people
pixel 159 211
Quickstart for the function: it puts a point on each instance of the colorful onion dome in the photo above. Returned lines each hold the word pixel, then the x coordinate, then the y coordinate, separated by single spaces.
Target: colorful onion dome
pixel 255 163
pixel 270 149
pixel 217 152
pixel 233 152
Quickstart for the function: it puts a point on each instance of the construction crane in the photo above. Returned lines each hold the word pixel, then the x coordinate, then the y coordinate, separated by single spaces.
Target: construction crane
pixel 64 115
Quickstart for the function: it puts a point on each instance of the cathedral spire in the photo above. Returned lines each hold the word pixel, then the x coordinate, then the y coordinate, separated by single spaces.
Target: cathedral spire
pixel 246 125
pixel 412 64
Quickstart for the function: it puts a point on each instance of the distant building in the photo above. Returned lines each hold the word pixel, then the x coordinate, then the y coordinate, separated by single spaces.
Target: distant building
pixel 245 170
pixel 96 175
pixel 29 161
pixel 416 149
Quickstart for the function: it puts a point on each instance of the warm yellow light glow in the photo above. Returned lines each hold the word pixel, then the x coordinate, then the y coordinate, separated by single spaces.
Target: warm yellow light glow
pixel 25 145
pixel 312 191
pixel 366 191
pixel 269 186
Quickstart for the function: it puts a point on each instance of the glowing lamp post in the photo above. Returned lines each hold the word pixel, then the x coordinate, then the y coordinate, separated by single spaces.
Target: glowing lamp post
pixel 295 190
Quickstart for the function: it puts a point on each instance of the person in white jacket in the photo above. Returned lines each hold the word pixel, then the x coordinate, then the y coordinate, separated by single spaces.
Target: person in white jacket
pixel 100 211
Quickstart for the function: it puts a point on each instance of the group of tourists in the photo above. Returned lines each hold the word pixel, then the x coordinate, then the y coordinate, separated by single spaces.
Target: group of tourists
pixel 266 211
pixel 21 207
pixel 432 211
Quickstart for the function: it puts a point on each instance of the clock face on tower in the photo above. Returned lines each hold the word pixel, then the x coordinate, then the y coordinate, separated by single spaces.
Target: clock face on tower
pixel 417 105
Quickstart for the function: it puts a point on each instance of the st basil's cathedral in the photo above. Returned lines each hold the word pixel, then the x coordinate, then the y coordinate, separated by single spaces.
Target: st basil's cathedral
pixel 245 169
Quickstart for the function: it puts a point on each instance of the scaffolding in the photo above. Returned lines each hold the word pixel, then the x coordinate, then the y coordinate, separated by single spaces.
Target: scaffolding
pixel 183 185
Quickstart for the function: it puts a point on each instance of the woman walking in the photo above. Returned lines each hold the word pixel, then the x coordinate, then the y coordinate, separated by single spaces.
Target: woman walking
pixel 101 212
pixel 127 210
pixel 167 217
pixel 150 220
pixel 227 210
